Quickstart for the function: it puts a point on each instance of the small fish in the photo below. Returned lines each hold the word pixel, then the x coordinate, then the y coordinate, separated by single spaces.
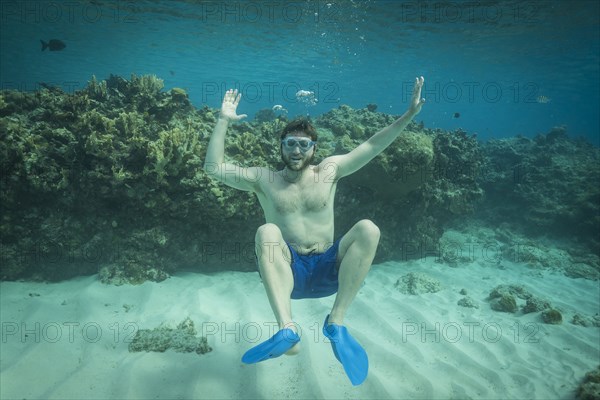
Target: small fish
pixel 304 93
pixel 307 97
pixel 543 99
pixel 53 45
pixel 456 115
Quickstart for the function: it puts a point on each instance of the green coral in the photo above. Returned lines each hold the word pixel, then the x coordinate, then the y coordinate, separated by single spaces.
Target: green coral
pixel 547 185
pixel 168 154
pixel 87 158
pixel 552 316
pixel 503 298
pixel 182 339
pixel 148 85
pixel 415 283
pixel 589 388
pixel 127 151
pixel 505 303
pixel 110 179
pixel 404 190
pixel 97 90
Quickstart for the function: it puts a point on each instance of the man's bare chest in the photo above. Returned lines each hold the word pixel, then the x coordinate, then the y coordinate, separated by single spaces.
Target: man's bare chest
pixel 309 196
pixel 305 198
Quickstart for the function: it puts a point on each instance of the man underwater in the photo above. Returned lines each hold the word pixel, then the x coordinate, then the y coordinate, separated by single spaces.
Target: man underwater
pixel 296 254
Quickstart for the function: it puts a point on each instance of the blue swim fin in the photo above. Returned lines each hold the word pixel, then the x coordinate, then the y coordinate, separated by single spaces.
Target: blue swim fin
pixel 348 351
pixel 277 345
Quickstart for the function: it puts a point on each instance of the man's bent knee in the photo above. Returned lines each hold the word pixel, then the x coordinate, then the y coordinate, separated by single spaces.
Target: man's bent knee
pixel 269 244
pixel 368 231
pixel 268 232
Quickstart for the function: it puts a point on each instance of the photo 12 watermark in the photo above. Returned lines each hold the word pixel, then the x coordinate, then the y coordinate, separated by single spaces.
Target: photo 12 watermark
pixel 307 93
pixel 273 12
pixel 69 12
pixel 471 92
pixel 69 87
pixel 67 332
pixel 471 250
pixel 448 332
pixel 235 332
pixel 468 12
pixel 468 331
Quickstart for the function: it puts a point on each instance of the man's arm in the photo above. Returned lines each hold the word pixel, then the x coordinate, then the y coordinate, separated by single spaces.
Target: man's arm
pixel 215 165
pixel 347 164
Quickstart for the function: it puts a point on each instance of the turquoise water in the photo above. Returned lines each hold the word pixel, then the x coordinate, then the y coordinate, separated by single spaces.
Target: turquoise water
pixel 495 68
pixel 507 67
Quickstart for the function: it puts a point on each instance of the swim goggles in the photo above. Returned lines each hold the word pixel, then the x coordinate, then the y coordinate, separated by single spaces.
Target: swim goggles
pixel 304 143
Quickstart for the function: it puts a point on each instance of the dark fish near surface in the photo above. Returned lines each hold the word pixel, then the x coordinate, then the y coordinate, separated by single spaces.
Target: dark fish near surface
pixel 53 45
pixel 456 115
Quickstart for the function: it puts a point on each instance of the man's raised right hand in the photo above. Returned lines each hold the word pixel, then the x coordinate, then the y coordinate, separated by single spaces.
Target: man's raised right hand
pixel 229 106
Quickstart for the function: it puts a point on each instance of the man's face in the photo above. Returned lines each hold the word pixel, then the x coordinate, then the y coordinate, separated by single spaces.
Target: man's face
pixel 293 152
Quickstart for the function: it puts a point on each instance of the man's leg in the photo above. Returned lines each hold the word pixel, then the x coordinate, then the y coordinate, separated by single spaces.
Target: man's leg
pixel 355 255
pixel 274 260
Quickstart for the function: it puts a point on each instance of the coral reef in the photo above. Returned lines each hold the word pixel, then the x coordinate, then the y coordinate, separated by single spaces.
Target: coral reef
pixel 182 339
pixel 110 179
pixel 420 183
pixel 265 115
pixel 458 245
pixel 415 283
pixel 544 186
pixel 589 389
pixel 552 316
pixel 102 179
pixel 533 304
pixel 467 302
pixel 508 298
pixel 582 320
pixel 504 303
pixel 504 298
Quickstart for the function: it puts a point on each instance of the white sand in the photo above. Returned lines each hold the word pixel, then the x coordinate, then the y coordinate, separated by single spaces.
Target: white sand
pixel 467 356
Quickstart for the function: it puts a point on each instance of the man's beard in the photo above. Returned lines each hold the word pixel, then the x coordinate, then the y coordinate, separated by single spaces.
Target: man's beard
pixel 297 167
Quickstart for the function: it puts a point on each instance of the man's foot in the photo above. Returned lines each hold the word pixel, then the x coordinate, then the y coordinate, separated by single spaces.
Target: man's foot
pixel 295 349
pixel 348 351
pixel 278 344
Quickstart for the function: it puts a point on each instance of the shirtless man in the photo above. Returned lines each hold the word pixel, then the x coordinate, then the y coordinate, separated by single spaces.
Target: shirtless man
pixel 296 255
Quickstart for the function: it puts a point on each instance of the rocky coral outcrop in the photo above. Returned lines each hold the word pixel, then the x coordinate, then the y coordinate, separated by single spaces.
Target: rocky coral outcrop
pixel 552 316
pixel 544 186
pixel 509 298
pixel 589 389
pixel 182 339
pixel 504 298
pixel 110 178
pixel 582 320
pixel 415 283
pixel 467 302
pixel 420 183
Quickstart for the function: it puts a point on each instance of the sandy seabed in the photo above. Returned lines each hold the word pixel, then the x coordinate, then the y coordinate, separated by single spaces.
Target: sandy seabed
pixel 70 340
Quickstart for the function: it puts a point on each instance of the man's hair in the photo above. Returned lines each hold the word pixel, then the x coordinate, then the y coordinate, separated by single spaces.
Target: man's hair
pixel 300 125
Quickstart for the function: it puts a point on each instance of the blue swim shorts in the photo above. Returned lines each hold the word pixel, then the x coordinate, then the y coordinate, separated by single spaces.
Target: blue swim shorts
pixel 315 275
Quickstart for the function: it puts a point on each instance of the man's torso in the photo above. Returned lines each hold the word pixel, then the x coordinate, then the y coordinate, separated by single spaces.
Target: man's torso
pixel 302 210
